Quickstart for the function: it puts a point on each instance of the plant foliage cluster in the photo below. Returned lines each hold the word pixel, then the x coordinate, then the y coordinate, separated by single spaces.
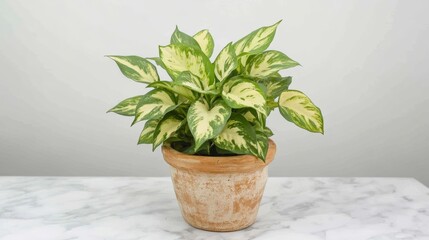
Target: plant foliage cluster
pixel 220 107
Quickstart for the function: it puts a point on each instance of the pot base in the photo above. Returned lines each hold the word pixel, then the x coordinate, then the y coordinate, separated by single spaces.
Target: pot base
pixel 237 228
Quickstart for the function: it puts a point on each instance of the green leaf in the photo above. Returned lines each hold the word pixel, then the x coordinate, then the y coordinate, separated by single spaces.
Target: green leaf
pixel 146 136
pixel 136 68
pixel 155 104
pixel 172 87
pixel 267 63
pixel 206 122
pixel 179 37
pixel 180 58
pixel 276 85
pixel 189 80
pixel 240 92
pixel 256 41
pixel 205 40
pixel 297 108
pixel 238 136
pixel 166 128
pixel 225 62
pixel 126 107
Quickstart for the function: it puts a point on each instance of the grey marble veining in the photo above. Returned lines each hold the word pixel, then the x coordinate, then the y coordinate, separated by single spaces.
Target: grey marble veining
pixel 145 208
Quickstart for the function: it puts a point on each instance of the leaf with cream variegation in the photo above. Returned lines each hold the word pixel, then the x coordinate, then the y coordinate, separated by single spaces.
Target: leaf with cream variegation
pixel 179 37
pixel 260 147
pixel 238 136
pixel 205 121
pixel 180 58
pixel 254 117
pixel 256 41
pixel 166 128
pixel 155 104
pixel 146 136
pixel 205 41
pixel 250 114
pixel 267 63
pixel 297 108
pixel 136 68
pixel 240 92
pixel 157 61
pixel 276 85
pixel 172 87
pixel 268 132
pixel 189 80
pixel 126 107
pixel 225 62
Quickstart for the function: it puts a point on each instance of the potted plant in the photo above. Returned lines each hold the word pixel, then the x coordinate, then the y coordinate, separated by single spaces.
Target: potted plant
pixel 211 120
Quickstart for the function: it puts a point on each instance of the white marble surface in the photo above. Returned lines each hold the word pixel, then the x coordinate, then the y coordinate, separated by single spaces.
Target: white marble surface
pixel 145 208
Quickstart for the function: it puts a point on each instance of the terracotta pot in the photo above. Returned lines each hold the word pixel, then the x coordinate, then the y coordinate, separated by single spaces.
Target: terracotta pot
pixel 218 193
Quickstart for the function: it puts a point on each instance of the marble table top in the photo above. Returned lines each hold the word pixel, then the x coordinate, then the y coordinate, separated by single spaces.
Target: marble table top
pixel 125 208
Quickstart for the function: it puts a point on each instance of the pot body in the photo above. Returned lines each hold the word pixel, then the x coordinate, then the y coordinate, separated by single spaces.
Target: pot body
pixel 218 193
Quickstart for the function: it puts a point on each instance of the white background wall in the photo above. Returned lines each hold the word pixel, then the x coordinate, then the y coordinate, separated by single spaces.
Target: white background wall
pixel 365 63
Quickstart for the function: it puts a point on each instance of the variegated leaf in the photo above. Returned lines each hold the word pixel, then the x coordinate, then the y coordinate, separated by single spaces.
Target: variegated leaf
pixel 276 74
pixel 225 62
pixel 157 61
pixel 268 132
pixel 243 58
pixel 146 136
pixel 271 105
pixel 297 108
pixel 250 115
pixel 179 37
pixel 172 87
pixel 180 58
pixel 136 68
pixel 126 107
pixel 206 122
pixel 155 104
pixel 238 136
pixel 257 41
pixel 262 132
pixel 267 63
pixel 239 92
pixel 254 117
pixel 205 40
pixel 260 148
pixel 276 85
pixel 166 128
pixel 189 80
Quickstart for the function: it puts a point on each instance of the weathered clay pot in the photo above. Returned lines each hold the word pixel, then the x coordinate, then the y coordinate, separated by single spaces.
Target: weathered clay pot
pixel 218 193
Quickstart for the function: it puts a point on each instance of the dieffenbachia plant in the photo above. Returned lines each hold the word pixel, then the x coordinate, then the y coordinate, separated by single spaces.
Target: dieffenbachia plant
pixel 215 108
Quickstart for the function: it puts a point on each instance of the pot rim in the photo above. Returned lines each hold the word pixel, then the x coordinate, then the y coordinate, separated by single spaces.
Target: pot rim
pixel 217 164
